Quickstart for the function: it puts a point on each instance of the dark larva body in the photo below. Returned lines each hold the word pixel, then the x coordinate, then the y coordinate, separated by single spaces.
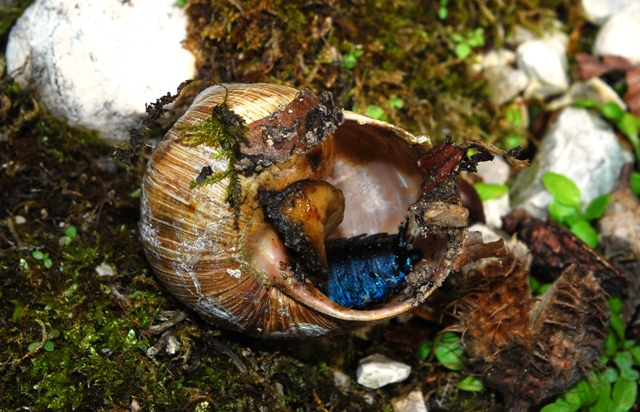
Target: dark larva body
pixel 365 269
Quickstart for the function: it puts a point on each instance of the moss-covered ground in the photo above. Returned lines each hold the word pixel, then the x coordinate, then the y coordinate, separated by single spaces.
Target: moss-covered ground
pixel 73 339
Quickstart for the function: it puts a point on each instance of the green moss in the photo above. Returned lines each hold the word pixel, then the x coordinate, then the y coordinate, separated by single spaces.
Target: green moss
pixel 222 130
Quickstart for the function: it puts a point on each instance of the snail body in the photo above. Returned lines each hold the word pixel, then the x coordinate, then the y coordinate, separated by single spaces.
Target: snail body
pixel 307 172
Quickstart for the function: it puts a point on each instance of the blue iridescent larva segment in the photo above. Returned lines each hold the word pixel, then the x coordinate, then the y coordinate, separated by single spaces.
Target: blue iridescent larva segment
pixel 365 269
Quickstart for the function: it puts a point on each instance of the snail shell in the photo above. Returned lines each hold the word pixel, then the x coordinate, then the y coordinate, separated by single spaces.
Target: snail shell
pixel 230 264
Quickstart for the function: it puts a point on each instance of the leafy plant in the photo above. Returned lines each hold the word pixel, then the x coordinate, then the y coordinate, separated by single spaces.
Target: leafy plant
pixel 565 207
pixel 377 112
pixel 442 10
pixel 628 123
pixel 513 115
pixel 350 59
pixel 614 388
pixel 467 41
pixel 488 191
pixel 69 235
pixel 448 349
pixel 44 257
pixel 634 182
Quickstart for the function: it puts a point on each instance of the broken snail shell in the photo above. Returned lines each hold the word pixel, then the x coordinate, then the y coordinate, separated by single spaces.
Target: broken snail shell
pixel 214 247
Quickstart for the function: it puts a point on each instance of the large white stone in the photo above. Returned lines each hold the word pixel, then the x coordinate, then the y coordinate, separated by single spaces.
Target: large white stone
pixel 579 145
pixel 95 64
pixel 376 371
pixel 620 35
pixel 598 11
pixel 545 63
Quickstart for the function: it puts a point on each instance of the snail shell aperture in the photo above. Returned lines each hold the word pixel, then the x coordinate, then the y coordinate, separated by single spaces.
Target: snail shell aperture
pixel 230 263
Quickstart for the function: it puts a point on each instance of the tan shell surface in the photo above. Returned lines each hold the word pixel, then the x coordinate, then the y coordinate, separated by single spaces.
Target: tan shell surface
pixel 233 272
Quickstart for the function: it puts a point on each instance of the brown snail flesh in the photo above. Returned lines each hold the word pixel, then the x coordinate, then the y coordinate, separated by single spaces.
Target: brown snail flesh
pixel 226 259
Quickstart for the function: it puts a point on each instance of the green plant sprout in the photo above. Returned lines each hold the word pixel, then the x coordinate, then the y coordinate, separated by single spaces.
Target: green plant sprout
pixel 468 41
pixel 634 183
pixel 566 209
pixel 448 349
pixel 442 10
pixel 489 191
pixel 513 115
pixel 611 389
pixel 69 235
pixel 626 122
pixel 377 112
pixel 44 257
pixel 350 59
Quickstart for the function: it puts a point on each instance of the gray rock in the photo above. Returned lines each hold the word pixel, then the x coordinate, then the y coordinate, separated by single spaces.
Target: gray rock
pixel 620 35
pixel 579 145
pixel 545 62
pixel 96 64
pixel 376 371
pixel 598 11
pixel 342 381
pixel 506 83
pixel 594 89
pixel 413 402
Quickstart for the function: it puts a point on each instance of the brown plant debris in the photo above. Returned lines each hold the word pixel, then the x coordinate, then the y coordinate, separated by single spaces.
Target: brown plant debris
pixel 620 239
pixel 530 349
pixel 588 66
pixel 554 249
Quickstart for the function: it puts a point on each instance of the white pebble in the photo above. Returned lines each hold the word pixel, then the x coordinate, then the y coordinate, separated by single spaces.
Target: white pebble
pixel 376 371
pixel 414 402
pixel 96 64
pixel 620 35
pixel 105 269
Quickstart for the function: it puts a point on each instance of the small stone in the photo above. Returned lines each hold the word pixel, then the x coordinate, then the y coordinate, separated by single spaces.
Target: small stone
pixel 620 35
pixel 342 381
pixel 579 145
pixel 593 89
pixel 545 62
pixel 105 269
pixel 414 402
pixel 598 11
pixel 376 371
pixel 173 345
pixel 495 210
pixel 496 171
pixel 96 64
pixel 506 83
pixel 20 220
pixel 500 57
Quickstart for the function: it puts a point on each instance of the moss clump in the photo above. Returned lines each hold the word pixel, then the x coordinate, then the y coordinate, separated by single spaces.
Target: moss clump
pixel 222 130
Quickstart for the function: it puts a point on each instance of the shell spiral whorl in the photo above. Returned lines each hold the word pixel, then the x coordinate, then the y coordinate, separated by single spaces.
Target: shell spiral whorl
pixel 230 263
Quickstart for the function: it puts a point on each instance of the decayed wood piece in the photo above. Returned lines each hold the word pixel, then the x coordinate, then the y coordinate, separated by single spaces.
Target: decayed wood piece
pixel 531 348
pixel 554 249
pixel 620 239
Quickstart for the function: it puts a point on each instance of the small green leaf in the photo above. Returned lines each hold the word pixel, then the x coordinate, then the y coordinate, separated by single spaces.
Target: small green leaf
pixel 514 116
pixel 612 111
pixel 635 352
pixel 463 50
pixel 634 183
pixel 604 400
pixel 471 384
pixel 442 12
pixel 617 326
pixel 624 395
pixel 543 288
pixel 396 103
pixel 17 310
pixel 47 262
pixel 588 389
pixel 616 304
pixel 448 350
pixel 512 141
pixel 375 112
pixel 72 232
pixel 33 345
pixel 424 349
pixel 559 211
pixel 585 232
pixel 611 374
pixel 349 61
pixel 37 255
pixel 586 103
pixel 624 360
pixel 597 207
pixel 560 405
pixel 629 125
pixel 48 346
pixel 534 284
pixel 562 188
pixel 488 191
pixel 457 37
